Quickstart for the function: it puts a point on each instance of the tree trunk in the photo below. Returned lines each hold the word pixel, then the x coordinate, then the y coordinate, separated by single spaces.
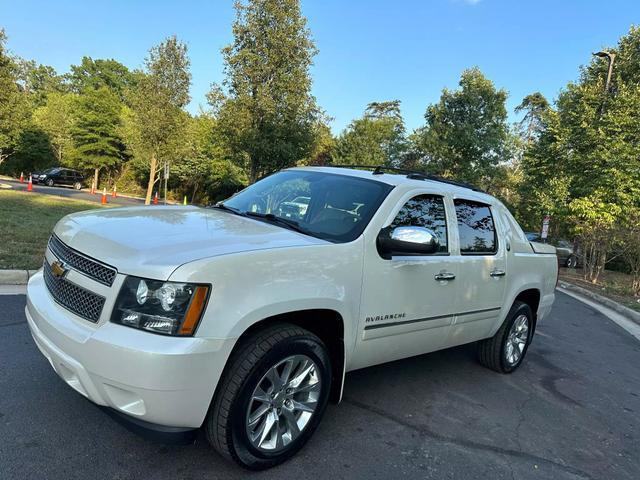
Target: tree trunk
pixel 152 178
pixel 193 193
pixel 253 171
pixel 95 177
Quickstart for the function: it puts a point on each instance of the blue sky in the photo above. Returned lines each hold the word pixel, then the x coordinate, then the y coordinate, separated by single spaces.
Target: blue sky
pixel 369 50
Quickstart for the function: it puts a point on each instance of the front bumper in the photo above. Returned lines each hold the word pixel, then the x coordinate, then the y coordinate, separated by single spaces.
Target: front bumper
pixel 156 379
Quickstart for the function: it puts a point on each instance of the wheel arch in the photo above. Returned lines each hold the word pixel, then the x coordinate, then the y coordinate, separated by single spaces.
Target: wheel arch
pixel 326 324
pixel 530 296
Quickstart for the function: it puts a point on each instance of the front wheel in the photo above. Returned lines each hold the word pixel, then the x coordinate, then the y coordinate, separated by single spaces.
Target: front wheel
pixel 49 182
pixel 271 398
pixel 505 351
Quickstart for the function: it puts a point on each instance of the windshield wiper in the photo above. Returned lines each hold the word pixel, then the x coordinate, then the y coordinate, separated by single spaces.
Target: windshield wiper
pixel 222 206
pixel 284 222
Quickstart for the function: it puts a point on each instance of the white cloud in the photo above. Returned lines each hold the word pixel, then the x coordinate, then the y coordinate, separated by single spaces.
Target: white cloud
pixel 472 2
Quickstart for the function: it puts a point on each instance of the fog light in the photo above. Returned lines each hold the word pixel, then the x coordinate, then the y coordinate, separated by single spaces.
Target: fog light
pixel 131 318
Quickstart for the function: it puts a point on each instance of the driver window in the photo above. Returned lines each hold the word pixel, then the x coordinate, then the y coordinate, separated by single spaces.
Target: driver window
pixel 425 211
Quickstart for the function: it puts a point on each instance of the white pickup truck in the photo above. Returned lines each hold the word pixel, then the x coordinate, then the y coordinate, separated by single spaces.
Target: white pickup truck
pixel 243 319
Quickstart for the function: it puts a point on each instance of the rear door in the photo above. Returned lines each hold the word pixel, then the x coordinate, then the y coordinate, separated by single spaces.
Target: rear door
pixel 65 177
pixel 480 286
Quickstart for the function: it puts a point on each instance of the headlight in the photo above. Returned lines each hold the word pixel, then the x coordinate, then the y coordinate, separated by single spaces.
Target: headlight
pixel 170 308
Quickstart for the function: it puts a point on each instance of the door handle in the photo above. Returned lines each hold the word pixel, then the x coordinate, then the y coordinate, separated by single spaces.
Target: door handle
pixel 444 276
pixel 498 273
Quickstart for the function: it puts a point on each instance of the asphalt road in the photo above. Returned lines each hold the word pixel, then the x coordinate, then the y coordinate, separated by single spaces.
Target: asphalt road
pixel 69 192
pixel 570 412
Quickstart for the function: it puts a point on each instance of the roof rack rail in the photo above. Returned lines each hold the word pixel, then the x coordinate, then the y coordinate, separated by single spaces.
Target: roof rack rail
pixel 412 174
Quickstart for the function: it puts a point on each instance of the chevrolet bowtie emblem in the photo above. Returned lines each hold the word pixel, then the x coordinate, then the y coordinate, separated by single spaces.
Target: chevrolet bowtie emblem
pixel 58 270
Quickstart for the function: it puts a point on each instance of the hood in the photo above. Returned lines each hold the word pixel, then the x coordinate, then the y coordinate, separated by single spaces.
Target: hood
pixel 153 241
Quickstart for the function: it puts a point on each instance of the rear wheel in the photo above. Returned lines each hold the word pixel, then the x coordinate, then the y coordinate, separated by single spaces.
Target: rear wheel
pixel 571 262
pixel 505 351
pixel 77 186
pixel 271 398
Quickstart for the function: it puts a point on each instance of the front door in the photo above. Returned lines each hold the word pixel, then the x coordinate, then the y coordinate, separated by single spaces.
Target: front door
pixel 407 301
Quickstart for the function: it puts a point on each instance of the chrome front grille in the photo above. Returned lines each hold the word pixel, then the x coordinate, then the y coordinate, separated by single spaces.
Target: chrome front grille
pixel 80 301
pixel 92 268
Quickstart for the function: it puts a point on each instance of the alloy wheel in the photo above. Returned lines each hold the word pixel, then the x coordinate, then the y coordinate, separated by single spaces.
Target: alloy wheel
pixel 282 403
pixel 517 340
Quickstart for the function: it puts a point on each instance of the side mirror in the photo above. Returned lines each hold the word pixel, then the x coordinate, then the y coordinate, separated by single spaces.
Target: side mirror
pixel 406 241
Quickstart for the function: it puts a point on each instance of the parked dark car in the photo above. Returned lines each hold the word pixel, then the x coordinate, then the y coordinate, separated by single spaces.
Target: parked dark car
pixel 59 176
pixel 567 257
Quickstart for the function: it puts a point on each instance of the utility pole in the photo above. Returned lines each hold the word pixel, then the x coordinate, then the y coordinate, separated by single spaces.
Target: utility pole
pixel 611 57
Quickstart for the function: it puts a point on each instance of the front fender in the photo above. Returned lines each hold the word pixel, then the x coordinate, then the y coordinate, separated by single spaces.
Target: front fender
pixel 251 286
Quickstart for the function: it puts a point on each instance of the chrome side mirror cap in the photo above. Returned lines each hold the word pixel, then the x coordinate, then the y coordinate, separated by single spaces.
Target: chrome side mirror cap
pixel 406 241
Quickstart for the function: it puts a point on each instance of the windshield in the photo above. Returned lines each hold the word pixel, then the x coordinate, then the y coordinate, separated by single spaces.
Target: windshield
pixel 325 205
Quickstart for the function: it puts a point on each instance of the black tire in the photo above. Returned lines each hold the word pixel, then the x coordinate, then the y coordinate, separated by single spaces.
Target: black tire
pixel 77 186
pixel 49 182
pixel 571 262
pixel 225 423
pixel 492 351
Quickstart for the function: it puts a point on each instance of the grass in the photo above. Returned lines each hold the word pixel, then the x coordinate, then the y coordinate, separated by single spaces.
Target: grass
pixel 613 285
pixel 26 221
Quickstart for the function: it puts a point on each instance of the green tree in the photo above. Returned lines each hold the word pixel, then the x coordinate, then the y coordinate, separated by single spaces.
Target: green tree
pixel 32 151
pixel 204 172
pixel 38 81
pixel 12 109
pixel 56 119
pixel 324 144
pixel 583 164
pixel 266 109
pixel 466 135
pixel 94 74
pixel 534 106
pixel 631 242
pixel 545 181
pixel 157 102
pixel 96 133
pixel 375 139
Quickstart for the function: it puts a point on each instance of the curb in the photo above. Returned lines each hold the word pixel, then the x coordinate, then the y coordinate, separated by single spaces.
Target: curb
pixel 607 302
pixel 15 277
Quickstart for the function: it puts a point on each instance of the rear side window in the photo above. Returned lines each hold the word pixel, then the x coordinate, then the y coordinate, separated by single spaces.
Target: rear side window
pixel 476 228
pixel 425 211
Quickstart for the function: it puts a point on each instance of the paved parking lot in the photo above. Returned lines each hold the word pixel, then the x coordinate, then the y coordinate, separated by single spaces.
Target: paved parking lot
pixel 572 411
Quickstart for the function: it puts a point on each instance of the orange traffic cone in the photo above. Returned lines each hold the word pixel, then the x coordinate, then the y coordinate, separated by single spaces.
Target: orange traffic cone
pixel 114 194
pixel 104 196
pixel 30 185
pixel 93 187
pixel 21 177
pixel 155 199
